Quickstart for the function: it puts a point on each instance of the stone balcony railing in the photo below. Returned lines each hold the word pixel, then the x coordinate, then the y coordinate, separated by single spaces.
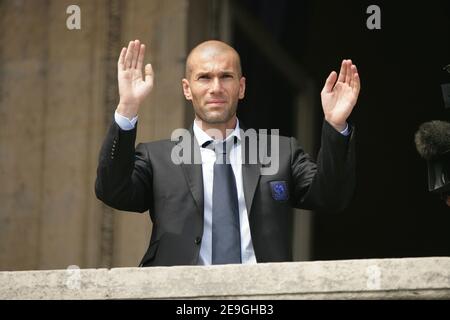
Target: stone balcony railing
pixel 407 278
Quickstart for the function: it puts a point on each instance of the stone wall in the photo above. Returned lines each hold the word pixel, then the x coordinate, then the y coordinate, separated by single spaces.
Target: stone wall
pixel 58 92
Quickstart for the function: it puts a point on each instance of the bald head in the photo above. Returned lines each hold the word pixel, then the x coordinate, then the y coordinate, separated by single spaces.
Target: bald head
pixel 209 50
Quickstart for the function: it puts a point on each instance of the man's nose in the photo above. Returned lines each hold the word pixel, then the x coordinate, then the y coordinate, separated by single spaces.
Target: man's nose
pixel 216 86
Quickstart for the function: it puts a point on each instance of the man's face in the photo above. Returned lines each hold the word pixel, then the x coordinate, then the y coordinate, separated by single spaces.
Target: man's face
pixel 214 86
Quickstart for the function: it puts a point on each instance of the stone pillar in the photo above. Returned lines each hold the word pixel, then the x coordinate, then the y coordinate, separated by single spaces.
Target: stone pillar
pixel 305 123
pixel 161 25
pixel 56 101
pixel 23 104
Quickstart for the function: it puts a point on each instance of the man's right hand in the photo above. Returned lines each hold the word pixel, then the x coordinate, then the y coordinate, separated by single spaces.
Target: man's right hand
pixel 133 87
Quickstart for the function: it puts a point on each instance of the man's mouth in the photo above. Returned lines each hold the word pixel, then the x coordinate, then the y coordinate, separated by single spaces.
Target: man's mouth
pixel 216 101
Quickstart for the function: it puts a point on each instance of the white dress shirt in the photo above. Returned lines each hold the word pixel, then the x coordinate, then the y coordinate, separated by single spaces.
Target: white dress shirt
pixel 208 158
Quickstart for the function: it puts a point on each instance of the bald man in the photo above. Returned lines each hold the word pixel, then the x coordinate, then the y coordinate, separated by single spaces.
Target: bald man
pixel 222 209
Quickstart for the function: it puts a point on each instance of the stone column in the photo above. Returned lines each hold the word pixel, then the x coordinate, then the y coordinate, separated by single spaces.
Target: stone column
pixel 57 91
pixel 161 25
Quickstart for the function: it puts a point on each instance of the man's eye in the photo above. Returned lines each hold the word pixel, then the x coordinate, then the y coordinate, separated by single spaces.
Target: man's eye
pixel 203 78
pixel 227 76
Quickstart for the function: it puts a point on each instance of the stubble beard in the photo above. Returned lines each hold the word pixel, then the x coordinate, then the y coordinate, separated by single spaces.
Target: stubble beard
pixel 217 118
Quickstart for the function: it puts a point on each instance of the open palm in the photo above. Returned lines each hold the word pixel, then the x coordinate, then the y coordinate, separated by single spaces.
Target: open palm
pixel 134 86
pixel 339 97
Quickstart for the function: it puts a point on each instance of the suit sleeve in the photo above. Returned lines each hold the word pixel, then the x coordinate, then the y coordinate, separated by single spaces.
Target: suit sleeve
pixel 327 185
pixel 124 175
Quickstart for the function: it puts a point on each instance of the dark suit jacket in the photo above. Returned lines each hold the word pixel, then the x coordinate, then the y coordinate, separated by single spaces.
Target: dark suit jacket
pixel 145 178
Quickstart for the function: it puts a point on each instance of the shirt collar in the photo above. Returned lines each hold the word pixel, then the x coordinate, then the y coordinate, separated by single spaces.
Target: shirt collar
pixel 203 137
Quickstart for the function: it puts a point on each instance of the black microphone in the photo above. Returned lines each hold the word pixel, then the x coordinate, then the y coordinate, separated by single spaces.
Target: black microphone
pixel 433 144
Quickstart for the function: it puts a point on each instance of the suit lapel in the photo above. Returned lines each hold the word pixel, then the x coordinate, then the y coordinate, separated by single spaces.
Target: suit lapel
pixel 194 178
pixel 250 176
pixel 193 173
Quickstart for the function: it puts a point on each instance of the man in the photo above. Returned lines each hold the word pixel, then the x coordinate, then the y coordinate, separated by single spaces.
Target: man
pixel 219 212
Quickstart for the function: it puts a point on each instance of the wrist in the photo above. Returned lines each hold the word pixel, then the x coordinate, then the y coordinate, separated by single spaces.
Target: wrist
pixel 338 126
pixel 127 110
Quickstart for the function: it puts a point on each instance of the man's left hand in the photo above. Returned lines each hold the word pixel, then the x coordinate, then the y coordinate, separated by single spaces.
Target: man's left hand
pixel 339 97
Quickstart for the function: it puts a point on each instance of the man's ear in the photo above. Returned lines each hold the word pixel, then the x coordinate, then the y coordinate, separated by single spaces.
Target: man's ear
pixel 186 89
pixel 242 88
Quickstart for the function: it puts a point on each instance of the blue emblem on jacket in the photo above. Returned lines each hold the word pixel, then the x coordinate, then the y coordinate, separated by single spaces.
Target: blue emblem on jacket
pixel 279 190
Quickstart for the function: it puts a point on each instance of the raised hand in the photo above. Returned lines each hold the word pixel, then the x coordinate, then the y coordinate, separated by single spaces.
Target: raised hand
pixel 339 97
pixel 133 86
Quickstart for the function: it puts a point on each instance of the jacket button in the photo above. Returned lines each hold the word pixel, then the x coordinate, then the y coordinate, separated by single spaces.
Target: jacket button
pixel 198 240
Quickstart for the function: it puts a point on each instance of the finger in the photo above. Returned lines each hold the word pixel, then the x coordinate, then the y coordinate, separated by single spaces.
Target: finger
pixel 140 62
pixel 348 73
pixel 129 55
pixel 137 46
pixel 121 61
pixel 352 77
pixel 148 72
pixel 342 71
pixel 357 82
pixel 329 83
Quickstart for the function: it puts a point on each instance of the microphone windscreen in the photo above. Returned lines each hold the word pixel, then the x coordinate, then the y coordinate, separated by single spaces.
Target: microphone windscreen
pixel 433 139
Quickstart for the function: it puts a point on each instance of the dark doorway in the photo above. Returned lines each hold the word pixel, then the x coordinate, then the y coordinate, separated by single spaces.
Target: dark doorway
pixel 392 214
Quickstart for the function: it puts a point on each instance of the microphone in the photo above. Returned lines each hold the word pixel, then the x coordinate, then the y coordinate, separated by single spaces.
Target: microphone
pixel 433 139
pixel 433 144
